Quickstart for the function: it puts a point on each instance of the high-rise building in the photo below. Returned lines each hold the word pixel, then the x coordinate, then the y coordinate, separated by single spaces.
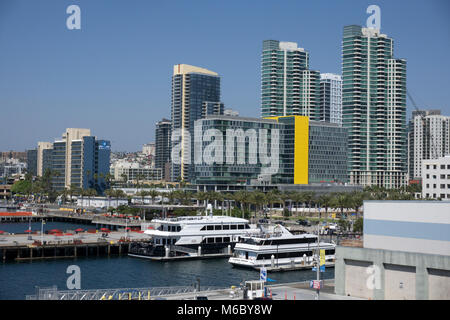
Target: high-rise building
pixel 374 108
pixel 162 147
pixel 191 87
pixel 288 87
pixel 43 159
pixel 331 98
pixel 80 160
pixel 309 152
pixel 428 138
pixel 212 108
pixel 32 161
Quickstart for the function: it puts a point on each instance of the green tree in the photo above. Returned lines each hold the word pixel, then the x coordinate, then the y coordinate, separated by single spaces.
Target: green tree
pixel 358 226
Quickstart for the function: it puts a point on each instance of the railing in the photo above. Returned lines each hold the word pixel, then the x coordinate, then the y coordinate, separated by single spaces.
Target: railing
pixel 52 293
pixel 182 249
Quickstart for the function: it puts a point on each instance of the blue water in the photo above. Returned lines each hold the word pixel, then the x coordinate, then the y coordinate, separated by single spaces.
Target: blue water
pixel 20 227
pixel 18 279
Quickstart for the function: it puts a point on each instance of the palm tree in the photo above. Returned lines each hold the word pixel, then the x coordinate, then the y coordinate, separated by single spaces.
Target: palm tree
pixel 297 197
pixel 91 193
pixel 201 196
pixel 153 194
pixel 258 199
pixel 73 190
pixel 272 197
pixel 325 201
pixel 341 200
pixel 241 198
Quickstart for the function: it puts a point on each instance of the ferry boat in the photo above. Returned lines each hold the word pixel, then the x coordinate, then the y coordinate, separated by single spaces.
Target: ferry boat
pixel 192 236
pixel 276 246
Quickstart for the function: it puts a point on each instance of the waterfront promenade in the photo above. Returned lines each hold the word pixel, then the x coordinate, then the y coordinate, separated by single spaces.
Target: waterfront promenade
pixel 284 291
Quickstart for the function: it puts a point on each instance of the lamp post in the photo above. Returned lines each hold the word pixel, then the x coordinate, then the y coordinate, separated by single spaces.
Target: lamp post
pixel 318 258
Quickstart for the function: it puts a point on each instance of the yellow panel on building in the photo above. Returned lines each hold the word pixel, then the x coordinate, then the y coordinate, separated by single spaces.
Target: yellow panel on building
pixel 301 147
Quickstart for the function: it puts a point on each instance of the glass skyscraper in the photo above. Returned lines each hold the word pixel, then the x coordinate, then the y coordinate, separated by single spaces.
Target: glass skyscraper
pixel 191 87
pixel 288 87
pixel 374 108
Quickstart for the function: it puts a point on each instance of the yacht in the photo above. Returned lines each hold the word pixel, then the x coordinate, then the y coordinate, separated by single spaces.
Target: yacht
pixel 275 246
pixel 192 236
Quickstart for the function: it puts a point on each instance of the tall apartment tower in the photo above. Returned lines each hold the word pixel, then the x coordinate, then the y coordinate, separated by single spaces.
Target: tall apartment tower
pixel 428 139
pixel 288 87
pixel 331 98
pixel 162 147
pixel 191 86
pixel 80 160
pixel 43 157
pixel 374 108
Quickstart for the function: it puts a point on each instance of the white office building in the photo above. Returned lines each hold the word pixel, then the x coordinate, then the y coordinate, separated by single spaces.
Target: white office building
pixel 428 138
pixel 331 98
pixel 436 178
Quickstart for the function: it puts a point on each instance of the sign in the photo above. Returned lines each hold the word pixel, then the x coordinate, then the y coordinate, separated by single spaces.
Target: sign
pixel 322 257
pixel 316 284
pixel 263 274
pixel 321 269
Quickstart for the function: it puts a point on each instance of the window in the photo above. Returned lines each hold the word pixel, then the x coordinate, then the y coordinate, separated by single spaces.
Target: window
pixel 209 240
pixel 233 227
pixel 209 227
pixel 240 226
pixel 218 227
pixel 226 239
pixel 226 227
pixel 442 166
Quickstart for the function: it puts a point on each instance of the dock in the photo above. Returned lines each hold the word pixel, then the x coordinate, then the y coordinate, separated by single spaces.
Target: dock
pixel 295 267
pixel 84 244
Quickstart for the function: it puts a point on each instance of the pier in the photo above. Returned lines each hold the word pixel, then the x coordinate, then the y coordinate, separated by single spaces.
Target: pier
pixel 51 246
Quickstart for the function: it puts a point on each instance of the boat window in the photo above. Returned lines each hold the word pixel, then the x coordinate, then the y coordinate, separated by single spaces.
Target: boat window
pixel 209 240
pixel 240 226
pixel 209 227
pixel 247 226
pixel 226 227
pixel 226 239
pixel 217 227
pixel 329 251
pixel 218 240
pixel 178 228
pixel 233 227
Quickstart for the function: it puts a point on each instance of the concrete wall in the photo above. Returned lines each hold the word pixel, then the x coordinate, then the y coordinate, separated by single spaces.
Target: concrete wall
pixel 386 274
pixel 411 226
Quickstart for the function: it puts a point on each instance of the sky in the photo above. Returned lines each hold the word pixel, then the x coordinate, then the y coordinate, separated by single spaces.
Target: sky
pixel 114 74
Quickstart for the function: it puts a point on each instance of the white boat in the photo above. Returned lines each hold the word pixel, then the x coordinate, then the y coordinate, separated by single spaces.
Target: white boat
pixel 275 246
pixel 192 236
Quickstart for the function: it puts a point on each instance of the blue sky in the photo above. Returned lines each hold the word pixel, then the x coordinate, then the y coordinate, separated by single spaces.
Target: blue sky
pixel 114 75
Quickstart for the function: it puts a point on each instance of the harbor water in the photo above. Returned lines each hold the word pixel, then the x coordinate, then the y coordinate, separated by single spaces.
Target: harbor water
pixel 18 279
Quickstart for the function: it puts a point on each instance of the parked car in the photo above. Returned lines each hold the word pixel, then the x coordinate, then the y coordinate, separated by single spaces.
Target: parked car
pixel 305 223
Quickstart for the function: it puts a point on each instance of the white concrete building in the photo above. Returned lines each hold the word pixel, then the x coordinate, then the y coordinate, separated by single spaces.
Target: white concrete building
pixel 428 138
pixel 134 171
pixel 405 253
pixel 331 98
pixel 436 178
